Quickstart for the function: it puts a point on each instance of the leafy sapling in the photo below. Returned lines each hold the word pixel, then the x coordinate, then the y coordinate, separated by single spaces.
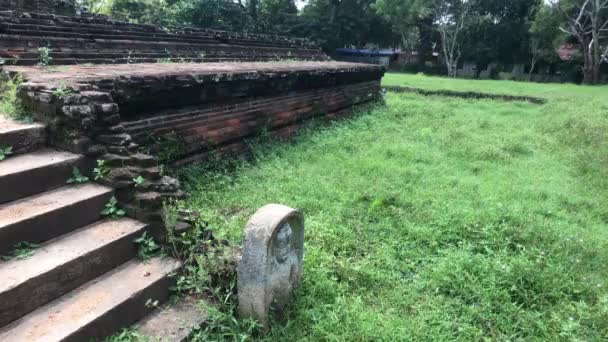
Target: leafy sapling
pixel 101 171
pixel 20 251
pixel 150 303
pixel 44 58
pixel 5 152
pixel 146 247
pixel 112 210
pixel 77 177
pixel 62 91
pixel 138 181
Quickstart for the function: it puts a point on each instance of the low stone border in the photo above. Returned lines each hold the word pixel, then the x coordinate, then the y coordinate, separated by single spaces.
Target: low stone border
pixel 465 94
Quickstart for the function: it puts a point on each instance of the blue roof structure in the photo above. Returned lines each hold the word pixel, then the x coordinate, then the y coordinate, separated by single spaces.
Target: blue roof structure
pixel 365 52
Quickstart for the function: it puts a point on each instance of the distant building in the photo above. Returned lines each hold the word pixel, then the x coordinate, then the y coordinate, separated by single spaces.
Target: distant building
pixel 369 56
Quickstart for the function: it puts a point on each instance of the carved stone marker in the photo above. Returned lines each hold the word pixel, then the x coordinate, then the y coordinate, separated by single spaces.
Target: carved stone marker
pixel 271 263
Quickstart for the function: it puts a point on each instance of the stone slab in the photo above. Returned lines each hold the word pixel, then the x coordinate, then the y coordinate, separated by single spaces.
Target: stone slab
pixel 21 137
pixel 50 214
pixel 27 174
pixel 72 74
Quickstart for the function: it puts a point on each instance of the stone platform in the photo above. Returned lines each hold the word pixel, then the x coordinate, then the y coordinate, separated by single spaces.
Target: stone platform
pixel 198 106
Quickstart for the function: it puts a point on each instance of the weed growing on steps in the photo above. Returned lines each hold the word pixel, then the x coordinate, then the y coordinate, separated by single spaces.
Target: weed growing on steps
pixel 147 248
pixel 9 102
pixel 208 270
pixel 139 181
pixel 21 250
pixel 77 177
pixel 62 91
pixel 5 152
pixel 44 56
pixel 101 171
pixel 130 335
pixel 112 210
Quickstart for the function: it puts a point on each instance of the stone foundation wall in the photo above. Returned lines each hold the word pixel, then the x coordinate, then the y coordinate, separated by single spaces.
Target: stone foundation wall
pixel 192 133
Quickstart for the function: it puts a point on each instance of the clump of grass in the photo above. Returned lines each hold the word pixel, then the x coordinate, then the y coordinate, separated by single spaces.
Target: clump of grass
pixel 9 102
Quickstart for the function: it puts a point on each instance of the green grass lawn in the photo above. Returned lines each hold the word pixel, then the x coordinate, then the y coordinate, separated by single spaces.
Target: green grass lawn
pixel 436 218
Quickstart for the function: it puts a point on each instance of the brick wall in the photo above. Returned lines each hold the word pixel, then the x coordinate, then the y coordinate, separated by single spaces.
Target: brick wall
pixel 192 133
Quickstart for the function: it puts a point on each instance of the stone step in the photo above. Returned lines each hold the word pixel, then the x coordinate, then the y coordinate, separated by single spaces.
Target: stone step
pixel 96 31
pixel 118 36
pixel 63 264
pixel 114 32
pixel 28 174
pixel 51 214
pixel 22 137
pixel 73 61
pixel 100 307
pixel 175 321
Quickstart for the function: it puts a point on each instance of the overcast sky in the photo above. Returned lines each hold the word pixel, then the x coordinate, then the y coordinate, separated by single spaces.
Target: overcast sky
pixel 301 3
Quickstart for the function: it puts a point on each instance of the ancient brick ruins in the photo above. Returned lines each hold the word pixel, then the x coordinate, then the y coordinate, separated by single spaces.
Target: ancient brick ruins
pixel 129 94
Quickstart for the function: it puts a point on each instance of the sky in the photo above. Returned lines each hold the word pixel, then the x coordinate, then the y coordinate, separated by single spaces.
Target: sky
pixel 301 3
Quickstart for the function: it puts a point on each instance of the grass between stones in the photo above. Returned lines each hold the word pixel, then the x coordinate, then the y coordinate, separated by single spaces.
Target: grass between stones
pixel 436 218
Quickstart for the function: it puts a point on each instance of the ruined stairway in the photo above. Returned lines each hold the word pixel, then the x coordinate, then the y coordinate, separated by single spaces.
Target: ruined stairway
pixel 82 282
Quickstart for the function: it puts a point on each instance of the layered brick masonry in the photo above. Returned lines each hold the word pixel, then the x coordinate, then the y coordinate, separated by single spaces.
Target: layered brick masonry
pixel 108 112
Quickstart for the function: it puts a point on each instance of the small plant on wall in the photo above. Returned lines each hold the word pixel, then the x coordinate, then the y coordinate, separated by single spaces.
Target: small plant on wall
pixel 101 171
pixel 5 151
pixel 44 56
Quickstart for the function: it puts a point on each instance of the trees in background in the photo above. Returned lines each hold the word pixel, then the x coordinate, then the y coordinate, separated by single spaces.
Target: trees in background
pixel 452 17
pixel 544 34
pixel 587 21
pixel 504 32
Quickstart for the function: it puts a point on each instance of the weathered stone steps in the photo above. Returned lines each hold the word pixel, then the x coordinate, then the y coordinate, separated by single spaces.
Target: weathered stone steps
pixel 98 308
pixel 175 321
pixel 21 137
pixel 115 34
pixel 51 214
pixel 26 32
pixel 151 58
pixel 28 174
pixel 62 264
pixel 105 23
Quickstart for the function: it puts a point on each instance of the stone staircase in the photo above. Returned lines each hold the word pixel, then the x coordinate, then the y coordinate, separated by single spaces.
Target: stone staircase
pixel 77 40
pixel 83 281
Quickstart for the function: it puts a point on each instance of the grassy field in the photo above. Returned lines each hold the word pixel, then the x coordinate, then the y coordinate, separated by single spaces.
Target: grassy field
pixel 435 218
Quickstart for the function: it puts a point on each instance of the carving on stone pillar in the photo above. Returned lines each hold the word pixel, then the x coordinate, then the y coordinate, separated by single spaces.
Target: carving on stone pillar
pixel 271 264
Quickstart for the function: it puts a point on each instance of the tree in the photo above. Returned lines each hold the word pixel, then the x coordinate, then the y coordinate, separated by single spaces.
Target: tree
pixel 451 18
pixel 543 33
pixel 497 32
pixel 343 23
pixel 587 21
pixel 277 16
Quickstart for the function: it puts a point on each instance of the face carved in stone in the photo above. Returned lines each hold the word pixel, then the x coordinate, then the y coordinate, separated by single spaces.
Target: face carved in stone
pixel 281 247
